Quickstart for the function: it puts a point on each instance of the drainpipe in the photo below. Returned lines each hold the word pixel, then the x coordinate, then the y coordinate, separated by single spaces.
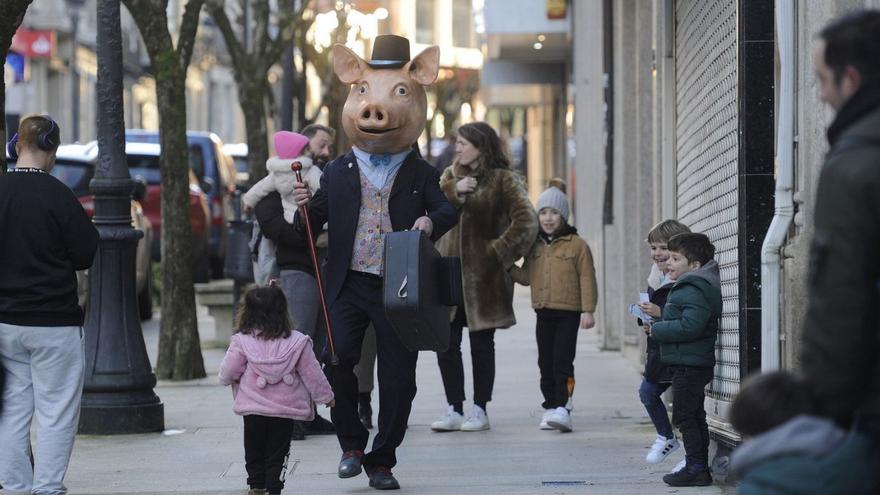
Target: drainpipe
pixel 771 258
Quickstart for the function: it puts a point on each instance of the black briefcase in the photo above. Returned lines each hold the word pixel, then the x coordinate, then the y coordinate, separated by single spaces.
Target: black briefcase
pixel 413 293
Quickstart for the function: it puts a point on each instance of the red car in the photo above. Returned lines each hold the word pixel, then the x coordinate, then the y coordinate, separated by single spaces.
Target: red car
pixel 143 162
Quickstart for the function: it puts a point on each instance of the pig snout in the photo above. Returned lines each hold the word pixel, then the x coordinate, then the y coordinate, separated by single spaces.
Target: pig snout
pixel 374 117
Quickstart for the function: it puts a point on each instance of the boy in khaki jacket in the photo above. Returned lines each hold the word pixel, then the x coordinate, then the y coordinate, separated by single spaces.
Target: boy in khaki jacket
pixel 559 269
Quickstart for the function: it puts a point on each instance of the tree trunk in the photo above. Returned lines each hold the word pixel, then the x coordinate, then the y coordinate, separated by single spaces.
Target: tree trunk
pixel 180 353
pixel 253 106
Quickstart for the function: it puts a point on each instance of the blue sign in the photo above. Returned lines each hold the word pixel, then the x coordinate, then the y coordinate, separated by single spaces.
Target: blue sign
pixel 16 63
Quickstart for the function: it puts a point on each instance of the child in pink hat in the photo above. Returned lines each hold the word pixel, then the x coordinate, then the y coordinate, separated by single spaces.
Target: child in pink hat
pixel 290 147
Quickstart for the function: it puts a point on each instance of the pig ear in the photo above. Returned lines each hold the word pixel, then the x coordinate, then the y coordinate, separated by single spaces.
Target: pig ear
pixel 349 67
pixel 424 68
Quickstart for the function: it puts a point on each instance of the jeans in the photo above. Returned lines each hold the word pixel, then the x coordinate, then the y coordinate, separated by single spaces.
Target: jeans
pixel 650 395
pixel 688 412
pixel 303 305
pixel 482 360
pixel 44 378
pixel 557 335
pixel 266 450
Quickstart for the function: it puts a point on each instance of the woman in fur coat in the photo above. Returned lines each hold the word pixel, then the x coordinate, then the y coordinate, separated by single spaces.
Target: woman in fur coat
pixel 497 226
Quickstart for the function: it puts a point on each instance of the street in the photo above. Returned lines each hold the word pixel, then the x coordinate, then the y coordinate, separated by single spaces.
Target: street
pixel 201 450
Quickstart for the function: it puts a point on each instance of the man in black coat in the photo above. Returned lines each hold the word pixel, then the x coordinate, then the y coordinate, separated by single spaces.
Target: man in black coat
pixel 840 353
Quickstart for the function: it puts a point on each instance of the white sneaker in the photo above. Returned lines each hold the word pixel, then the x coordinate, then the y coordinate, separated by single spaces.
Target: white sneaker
pixel 560 419
pixel 450 422
pixel 544 425
pixel 477 421
pixel 678 467
pixel 662 447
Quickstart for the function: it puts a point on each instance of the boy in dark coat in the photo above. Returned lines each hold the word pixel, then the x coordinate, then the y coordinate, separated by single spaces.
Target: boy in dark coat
pixel 687 334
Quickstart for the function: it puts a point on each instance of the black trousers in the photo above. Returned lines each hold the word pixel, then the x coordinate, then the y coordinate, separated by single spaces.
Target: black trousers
pixel 266 448
pixel 359 304
pixel 557 333
pixel 688 411
pixel 482 360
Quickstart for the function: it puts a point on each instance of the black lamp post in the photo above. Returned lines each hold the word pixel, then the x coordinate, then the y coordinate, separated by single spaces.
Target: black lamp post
pixel 118 393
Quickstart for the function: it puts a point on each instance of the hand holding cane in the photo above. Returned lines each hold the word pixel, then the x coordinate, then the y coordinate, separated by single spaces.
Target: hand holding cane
pixel 334 359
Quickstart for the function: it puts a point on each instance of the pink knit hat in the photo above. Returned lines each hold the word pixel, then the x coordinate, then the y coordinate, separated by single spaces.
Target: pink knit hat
pixel 289 144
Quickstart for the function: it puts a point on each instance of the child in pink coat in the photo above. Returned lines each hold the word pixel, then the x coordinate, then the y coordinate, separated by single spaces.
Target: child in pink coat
pixel 275 379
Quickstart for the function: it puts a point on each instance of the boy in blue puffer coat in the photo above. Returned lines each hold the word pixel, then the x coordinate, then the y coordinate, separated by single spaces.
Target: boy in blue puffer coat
pixel 687 332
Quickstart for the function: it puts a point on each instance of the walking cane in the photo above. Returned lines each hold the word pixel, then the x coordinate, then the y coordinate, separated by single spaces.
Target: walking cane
pixel 334 359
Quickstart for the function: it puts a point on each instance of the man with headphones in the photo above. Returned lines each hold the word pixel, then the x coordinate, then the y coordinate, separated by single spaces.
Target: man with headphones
pixel 45 236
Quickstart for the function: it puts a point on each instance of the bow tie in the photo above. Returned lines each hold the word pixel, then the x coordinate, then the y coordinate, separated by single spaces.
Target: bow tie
pixel 380 160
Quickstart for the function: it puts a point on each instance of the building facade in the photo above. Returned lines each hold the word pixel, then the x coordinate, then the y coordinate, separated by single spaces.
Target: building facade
pixel 678 110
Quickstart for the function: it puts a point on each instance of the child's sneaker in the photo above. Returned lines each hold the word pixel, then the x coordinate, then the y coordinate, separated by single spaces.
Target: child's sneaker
pixel 477 421
pixel 451 422
pixel 560 419
pixel 678 467
pixel 544 425
pixel 661 449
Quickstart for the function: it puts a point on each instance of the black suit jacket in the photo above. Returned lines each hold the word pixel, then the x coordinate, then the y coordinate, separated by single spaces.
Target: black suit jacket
pixel 415 193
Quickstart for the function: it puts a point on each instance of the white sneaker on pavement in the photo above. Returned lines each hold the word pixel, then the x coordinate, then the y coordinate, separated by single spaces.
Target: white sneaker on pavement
pixel 560 419
pixel 544 425
pixel 450 422
pixel 678 467
pixel 477 421
pixel 661 449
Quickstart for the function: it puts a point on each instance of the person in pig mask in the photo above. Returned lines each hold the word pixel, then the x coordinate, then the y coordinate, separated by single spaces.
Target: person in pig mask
pixel 380 186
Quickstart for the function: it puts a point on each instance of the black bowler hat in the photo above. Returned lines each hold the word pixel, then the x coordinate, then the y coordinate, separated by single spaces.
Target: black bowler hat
pixel 389 52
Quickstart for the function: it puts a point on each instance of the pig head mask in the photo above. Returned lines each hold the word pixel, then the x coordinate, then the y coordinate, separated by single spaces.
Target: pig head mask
pixel 386 108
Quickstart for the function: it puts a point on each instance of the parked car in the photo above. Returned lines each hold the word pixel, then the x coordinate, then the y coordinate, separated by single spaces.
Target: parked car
pixel 216 174
pixel 239 154
pixel 143 162
pixel 75 167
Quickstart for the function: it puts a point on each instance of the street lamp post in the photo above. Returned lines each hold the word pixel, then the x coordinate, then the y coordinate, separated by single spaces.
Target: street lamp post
pixel 118 393
pixel 73 7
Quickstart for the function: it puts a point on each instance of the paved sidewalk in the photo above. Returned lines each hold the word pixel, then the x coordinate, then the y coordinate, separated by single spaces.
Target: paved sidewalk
pixel 201 450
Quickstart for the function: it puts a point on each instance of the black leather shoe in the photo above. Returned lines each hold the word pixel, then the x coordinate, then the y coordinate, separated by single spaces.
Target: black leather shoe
pixel 686 477
pixel 365 410
pixel 319 426
pixel 382 479
pixel 350 464
pixel 298 432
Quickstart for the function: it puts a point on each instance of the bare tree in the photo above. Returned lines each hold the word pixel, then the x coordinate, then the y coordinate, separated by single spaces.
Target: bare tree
pixel 252 58
pixel 11 14
pixel 180 353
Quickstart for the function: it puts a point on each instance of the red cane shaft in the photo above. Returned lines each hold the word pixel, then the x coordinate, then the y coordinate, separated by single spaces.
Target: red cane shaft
pixel 296 167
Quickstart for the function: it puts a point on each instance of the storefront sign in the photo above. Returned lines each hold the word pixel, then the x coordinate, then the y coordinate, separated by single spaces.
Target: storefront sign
pixel 33 44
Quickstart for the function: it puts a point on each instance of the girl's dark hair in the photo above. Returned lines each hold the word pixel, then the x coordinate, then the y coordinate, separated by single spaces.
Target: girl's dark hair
pixel 264 309
pixel 485 139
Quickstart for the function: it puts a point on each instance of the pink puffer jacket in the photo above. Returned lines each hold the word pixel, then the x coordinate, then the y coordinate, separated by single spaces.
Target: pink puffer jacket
pixel 278 378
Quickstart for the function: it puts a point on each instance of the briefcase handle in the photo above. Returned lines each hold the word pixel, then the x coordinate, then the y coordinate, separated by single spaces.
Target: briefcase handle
pixel 402 292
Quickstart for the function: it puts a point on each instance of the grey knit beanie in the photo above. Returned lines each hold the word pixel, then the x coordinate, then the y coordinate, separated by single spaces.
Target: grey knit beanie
pixel 554 198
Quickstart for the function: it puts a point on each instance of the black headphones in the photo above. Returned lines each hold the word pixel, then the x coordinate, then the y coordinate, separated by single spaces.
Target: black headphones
pixel 44 140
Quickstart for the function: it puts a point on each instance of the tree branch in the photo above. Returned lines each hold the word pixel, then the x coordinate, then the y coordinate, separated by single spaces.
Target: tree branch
pixel 261 29
pixel 233 45
pixel 188 27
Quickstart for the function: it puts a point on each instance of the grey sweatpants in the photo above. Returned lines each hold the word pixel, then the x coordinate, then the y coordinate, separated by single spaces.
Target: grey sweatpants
pixel 44 377
pixel 303 305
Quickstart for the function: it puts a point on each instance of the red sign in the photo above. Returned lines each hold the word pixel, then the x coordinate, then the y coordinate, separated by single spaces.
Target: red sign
pixel 33 44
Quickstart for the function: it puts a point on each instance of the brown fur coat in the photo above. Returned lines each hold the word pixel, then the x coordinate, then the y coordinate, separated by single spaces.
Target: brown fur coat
pixel 497 226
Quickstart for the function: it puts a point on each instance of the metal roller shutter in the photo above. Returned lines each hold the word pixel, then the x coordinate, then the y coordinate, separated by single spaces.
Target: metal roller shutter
pixel 706 155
